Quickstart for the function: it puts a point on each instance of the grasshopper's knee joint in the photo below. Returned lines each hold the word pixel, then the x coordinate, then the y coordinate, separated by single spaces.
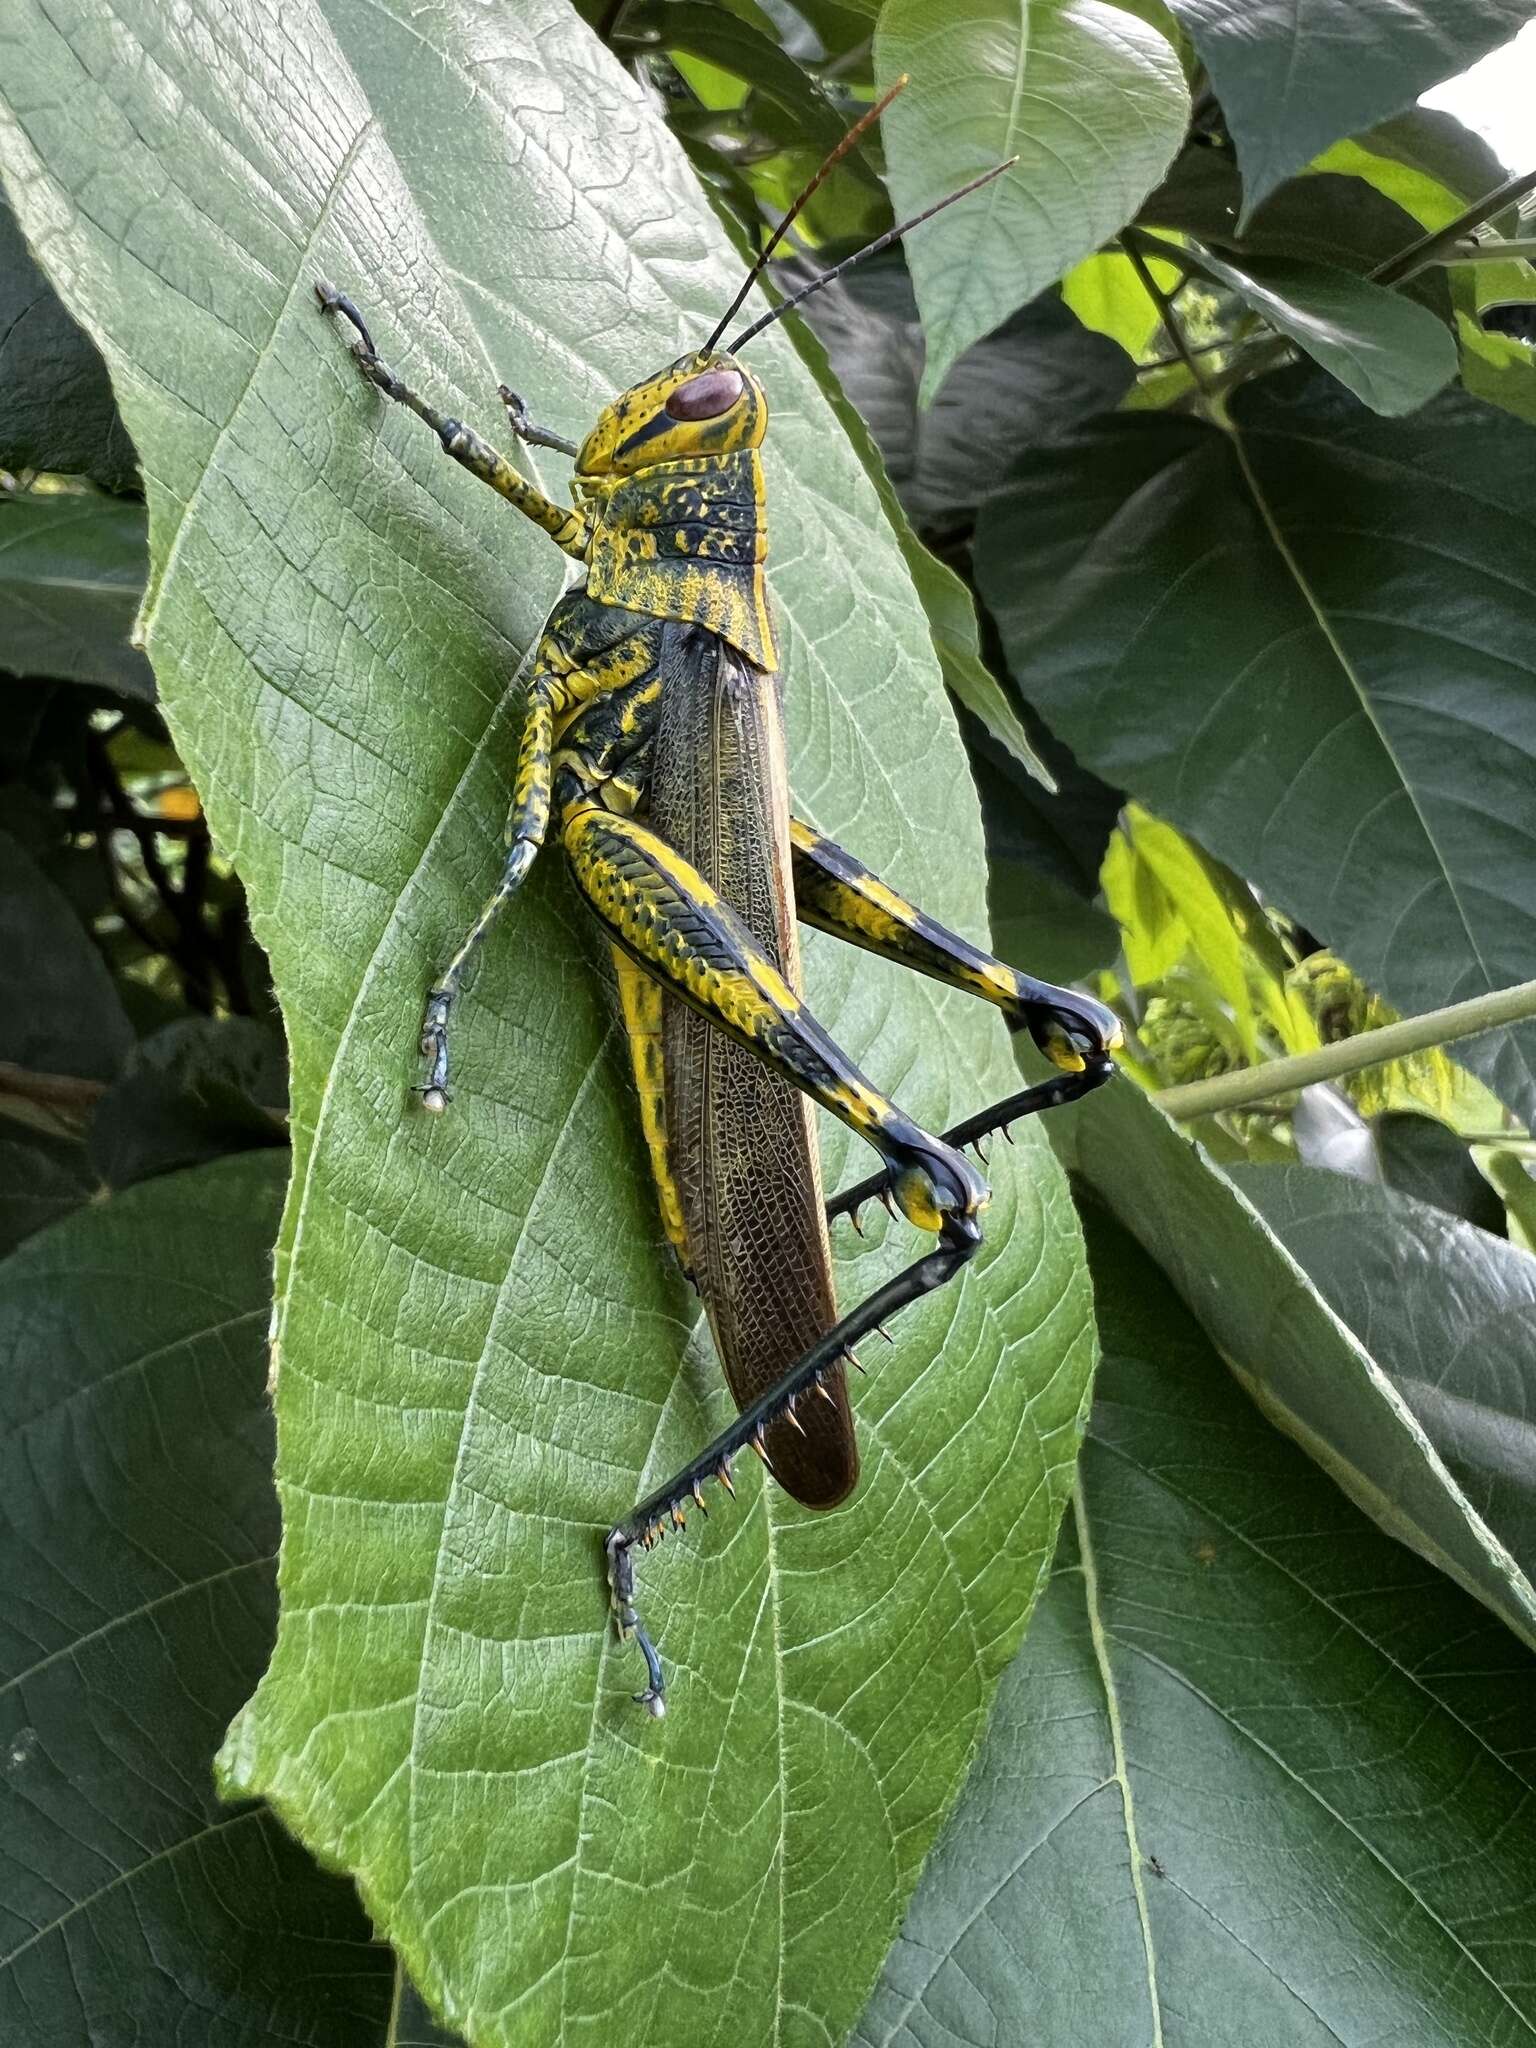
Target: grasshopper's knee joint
pixel 938 1189
pixel 1074 1032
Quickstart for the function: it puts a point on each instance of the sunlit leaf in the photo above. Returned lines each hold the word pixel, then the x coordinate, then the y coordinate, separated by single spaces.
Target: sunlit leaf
pixel 1090 99
pixel 483 1354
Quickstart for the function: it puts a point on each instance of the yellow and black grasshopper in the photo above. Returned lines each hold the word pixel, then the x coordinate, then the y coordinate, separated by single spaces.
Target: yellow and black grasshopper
pixel 654 742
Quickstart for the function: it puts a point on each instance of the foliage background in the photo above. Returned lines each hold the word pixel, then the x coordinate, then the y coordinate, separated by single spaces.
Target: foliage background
pixel 1220 415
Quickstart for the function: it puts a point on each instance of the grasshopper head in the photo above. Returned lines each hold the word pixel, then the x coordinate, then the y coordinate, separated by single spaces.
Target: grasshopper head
pixel 703 404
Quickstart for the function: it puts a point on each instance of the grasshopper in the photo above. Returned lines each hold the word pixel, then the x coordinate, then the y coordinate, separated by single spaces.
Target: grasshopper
pixel 654 745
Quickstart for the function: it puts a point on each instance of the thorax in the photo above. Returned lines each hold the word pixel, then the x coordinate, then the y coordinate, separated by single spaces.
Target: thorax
pixel 685 540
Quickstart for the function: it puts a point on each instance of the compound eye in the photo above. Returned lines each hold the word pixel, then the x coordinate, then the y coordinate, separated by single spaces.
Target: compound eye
pixel 706 396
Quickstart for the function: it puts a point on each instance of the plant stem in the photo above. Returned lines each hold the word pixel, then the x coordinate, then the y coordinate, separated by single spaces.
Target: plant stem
pixel 1165 313
pixel 1397 269
pixel 1489 252
pixel 1391 1042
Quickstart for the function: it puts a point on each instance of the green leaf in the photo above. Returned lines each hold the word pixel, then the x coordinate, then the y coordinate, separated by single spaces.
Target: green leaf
pixel 1291 81
pixel 71 576
pixel 1109 298
pixel 1418 1155
pixel 135 1485
pixel 1032 380
pixel 483 1353
pixel 1392 354
pixel 1323 1384
pixel 1308 645
pixel 722 39
pixel 948 603
pixel 1089 98
pixel 1043 914
pixel 1229 1788
pixel 43 1177
pixel 1434 169
pixel 1497 368
pixel 188 1093
pixel 1178 903
pixel 1449 1314
pixel 72 1021
pixel 57 411
pixel 1425 161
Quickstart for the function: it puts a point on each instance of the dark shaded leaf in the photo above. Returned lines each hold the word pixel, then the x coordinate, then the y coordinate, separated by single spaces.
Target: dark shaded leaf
pixel 71 1021
pixel 42 1178
pixel 1449 1313
pixel 1292 80
pixel 1420 1156
pixel 191 1092
pixel 71 576
pixel 1308 645
pixel 723 38
pixel 57 411
pixel 137 1609
pixel 1037 377
pixel 1255 1777
pixel 1312 1375
pixel 948 603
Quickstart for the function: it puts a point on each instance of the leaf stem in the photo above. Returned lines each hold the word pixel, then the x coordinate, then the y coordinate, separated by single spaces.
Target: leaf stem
pixel 1408 262
pixel 1166 314
pixel 1390 1042
pixel 1490 252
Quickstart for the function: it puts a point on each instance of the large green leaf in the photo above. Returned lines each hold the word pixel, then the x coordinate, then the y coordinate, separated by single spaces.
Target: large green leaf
pixel 56 406
pixel 1449 1314
pixel 1308 643
pixel 1090 99
pixel 1256 1780
pixel 137 1606
pixel 1392 353
pixel 482 1354
pixel 71 574
pixel 1334 1389
pixel 1291 79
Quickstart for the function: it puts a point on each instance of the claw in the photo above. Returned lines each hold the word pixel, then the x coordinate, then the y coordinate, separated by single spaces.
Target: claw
pixel 791 1416
pixel 723 1474
pixel 853 1218
pixel 698 1498
pixel 761 1448
pixel 853 1359
pixel 882 1331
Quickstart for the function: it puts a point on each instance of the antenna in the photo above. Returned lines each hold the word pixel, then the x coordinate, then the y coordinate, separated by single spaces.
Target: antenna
pixel 870 249
pixel 860 127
